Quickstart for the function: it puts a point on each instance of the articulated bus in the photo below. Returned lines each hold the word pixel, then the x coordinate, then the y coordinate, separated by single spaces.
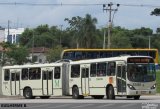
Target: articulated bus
pixel 80 54
pixel 130 76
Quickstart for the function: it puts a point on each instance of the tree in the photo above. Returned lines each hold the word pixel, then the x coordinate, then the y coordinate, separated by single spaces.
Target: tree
pixel 120 40
pixel 143 31
pixel 13 53
pixel 25 38
pixel 156 12
pixel 76 25
pixel 89 31
pixel 54 54
pixel 17 55
pixel 84 30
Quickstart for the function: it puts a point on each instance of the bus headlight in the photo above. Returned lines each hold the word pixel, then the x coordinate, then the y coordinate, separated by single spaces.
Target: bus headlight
pixel 154 86
pixel 131 87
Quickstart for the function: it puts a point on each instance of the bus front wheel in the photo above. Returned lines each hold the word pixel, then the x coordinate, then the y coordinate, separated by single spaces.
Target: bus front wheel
pixel 28 93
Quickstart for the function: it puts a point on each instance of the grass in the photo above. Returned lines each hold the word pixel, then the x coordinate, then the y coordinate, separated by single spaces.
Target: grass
pixel 158 81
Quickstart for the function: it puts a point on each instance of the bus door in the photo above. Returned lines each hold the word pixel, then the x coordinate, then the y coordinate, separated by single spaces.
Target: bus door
pixel 57 81
pixel 121 78
pixel 47 81
pixel 85 79
pixel 15 82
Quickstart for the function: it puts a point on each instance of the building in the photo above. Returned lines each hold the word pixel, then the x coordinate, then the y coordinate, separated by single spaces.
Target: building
pixel 14 35
pixel 2 34
pixel 38 54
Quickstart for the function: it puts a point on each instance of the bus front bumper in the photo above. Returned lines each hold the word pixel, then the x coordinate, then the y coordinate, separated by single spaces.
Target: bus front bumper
pixel 141 92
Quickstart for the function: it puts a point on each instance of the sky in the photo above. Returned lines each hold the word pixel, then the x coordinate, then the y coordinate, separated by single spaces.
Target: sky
pixel 31 16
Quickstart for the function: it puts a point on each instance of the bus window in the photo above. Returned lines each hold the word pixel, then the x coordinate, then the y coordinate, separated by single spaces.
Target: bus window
pixel 13 76
pixel 47 74
pixel 75 71
pixel 34 73
pixel 101 69
pixel 152 54
pixel 111 68
pixel 6 74
pixel 57 73
pixel 109 54
pixel 24 75
pixel 85 72
pixel 17 76
pixel 144 53
pixel 93 70
pixel 78 55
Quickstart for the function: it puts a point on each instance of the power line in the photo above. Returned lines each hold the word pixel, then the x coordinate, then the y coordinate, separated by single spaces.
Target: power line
pixel 78 4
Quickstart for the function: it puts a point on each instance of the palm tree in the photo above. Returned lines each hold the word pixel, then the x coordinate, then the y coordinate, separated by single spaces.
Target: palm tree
pixel 84 30
pixel 89 31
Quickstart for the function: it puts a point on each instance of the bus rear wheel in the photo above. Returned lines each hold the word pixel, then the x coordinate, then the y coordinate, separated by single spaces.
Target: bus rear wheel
pixel 44 97
pixel 75 93
pixel 98 96
pixel 28 93
pixel 137 97
pixel 110 93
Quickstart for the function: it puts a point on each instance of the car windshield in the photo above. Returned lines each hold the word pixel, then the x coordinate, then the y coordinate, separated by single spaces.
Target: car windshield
pixel 141 72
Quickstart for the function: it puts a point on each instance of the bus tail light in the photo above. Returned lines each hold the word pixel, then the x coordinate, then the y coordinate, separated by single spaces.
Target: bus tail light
pixel 131 87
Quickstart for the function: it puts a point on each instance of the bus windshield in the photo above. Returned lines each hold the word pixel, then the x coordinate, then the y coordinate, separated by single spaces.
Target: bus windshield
pixel 141 72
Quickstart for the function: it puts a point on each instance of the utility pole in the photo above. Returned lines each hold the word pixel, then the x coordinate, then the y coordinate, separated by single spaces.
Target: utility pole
pixel 108 7
pixel 104 39
pixel 8 28
pixel 32 47
pixel 60 39
pixel 149 43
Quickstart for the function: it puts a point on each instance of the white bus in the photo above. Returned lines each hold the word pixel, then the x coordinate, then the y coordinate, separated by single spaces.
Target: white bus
pixel 130 76
pixel 30 81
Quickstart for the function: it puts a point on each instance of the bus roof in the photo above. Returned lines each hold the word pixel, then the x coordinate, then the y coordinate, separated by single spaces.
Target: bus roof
pixel 33 65
pixel 132 49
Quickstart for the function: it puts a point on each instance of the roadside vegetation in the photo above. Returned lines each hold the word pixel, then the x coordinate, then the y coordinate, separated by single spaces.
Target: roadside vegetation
pixel 158 81
pixel 82 32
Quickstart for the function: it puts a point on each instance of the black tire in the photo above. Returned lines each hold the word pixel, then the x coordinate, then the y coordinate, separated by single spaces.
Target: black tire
pixel 129 96
pixel 110 93
pixel 98 96
pixel 27 93
pixel 44 97
pixel 137 97
pixel 75 93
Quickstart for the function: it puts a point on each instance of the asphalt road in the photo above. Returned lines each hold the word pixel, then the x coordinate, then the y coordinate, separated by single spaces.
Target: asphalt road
pixel 145 102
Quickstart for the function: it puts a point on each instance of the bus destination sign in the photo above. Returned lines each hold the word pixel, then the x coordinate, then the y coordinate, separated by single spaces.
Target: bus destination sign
pixel 140 60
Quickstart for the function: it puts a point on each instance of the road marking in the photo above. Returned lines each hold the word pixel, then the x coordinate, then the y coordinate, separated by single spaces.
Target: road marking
pixel 106 105
pixel 37 105
pixel 81 106
pixel 127 105
pixel 57 106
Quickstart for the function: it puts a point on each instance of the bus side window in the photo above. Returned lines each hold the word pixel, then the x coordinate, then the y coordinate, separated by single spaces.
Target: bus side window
pixel 6 74
pixel 101 69
pixel 75 71
pixel 34 73
pixel 57 73
pixel 93 70
pixel 24 75
pixel 111 68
